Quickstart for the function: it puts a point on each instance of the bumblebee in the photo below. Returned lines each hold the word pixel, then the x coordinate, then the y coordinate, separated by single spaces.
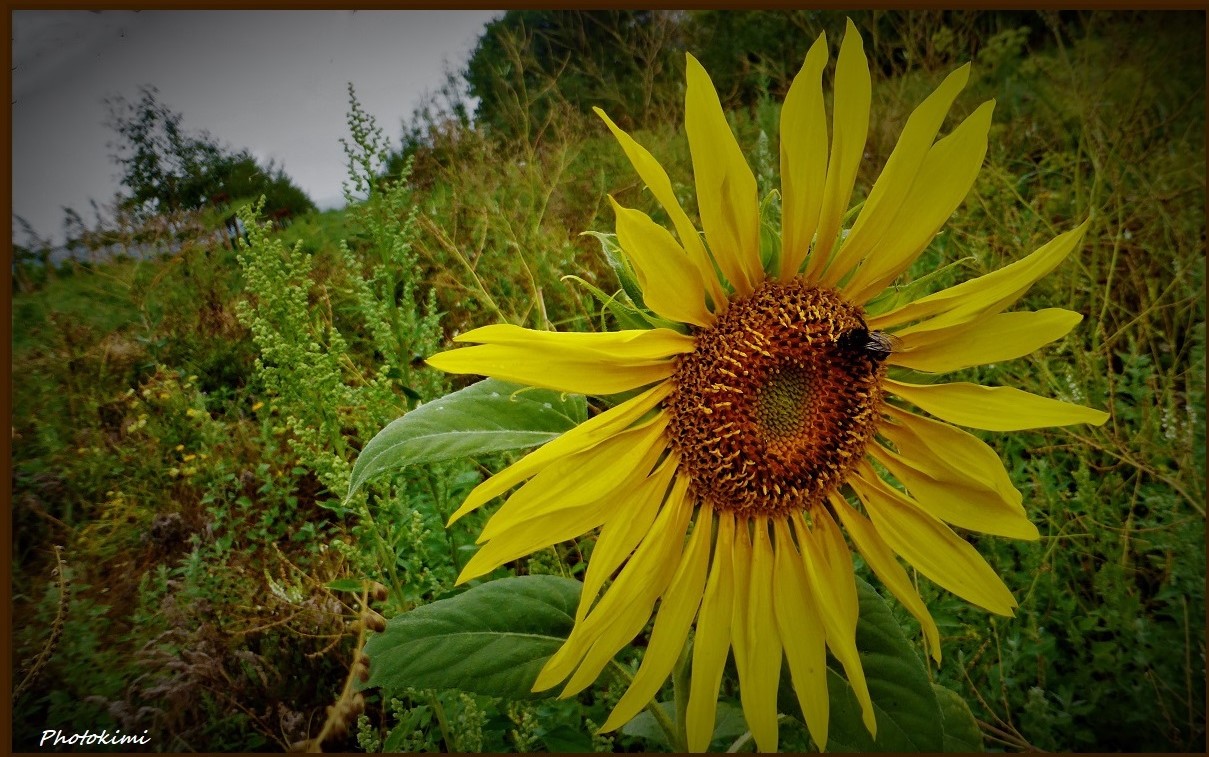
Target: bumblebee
pixel 877 345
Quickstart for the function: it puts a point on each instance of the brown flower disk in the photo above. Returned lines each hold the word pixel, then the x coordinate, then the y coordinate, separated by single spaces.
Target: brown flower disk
pixel 772 409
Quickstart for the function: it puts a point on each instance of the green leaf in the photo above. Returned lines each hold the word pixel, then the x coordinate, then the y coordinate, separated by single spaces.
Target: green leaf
pixel 961 729
pixel 729 724
pixel 492 639
pixel 567 740
pixel 490 416
pixel 908 717
pixel 347 584
pixel 644 726
pixel 395 740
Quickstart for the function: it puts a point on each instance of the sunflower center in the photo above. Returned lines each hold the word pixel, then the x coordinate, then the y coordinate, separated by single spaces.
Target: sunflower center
pixel 773 408
pixel 782 405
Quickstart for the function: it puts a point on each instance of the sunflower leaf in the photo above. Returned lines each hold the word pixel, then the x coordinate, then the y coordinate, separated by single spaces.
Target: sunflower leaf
pixel 961 729
pixel 490 416
pixel 492 639
pixel 567 740
pixel 644 726
pixel 908 716
pixel 728 724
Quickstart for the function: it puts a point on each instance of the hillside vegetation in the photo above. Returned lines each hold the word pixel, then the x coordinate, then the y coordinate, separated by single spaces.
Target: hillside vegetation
pixel 184 560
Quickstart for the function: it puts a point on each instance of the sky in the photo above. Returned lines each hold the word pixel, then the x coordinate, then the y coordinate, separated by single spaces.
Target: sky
pixel 274 82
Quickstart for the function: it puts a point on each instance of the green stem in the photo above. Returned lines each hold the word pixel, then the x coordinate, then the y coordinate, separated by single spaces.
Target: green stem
pixel 440 501
pixel 439 710
pixel 670 730
pixel 385 552
pixel 453 249
pixel 680 691
pixel 741 743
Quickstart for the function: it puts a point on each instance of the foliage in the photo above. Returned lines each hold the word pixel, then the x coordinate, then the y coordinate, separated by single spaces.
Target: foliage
pixel 530 65
pixel 536 60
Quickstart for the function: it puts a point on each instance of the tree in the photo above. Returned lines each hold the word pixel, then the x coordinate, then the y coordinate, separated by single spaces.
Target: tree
pixel 167 170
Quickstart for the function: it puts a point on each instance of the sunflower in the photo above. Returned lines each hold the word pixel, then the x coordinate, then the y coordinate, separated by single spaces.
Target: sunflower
pixel 761 425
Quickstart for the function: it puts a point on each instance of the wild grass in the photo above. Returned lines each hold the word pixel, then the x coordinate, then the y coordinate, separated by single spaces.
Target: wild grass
pixel 190 464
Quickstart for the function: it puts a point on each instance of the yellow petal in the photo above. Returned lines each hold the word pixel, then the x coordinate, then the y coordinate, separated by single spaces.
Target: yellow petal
pixel 993 408
pixel 948 497
pixel 726 187
pixel 630 346
pixel 940 449
pixel 876 552
pixel 991 293
pixel 676 613
pixel 740 560
pixel 671 285
pixel 943 182
pixel 535 365
pixel 930 545
pixel 896 181
pixel 953 475
pixel 996 338
pixel 712 641
pixel 803 157
pixel 657 180
pixel 639 587
pixel 744 641
pixel 534 534
pixel 849 128
pixel 756 641
pixel 612 468
pixel 833 583
pixel 639 584
pixel 584 436
pixel 623 532
pixel 802 633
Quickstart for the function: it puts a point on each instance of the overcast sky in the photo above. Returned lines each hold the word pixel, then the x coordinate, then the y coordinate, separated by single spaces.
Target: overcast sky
pixel 274 82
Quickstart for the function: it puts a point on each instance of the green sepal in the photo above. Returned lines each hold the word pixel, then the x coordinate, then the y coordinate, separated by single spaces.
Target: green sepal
pixel 894 297
pixel 620 265
pixel 770 233
pixel 627 314
pixel 912 376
